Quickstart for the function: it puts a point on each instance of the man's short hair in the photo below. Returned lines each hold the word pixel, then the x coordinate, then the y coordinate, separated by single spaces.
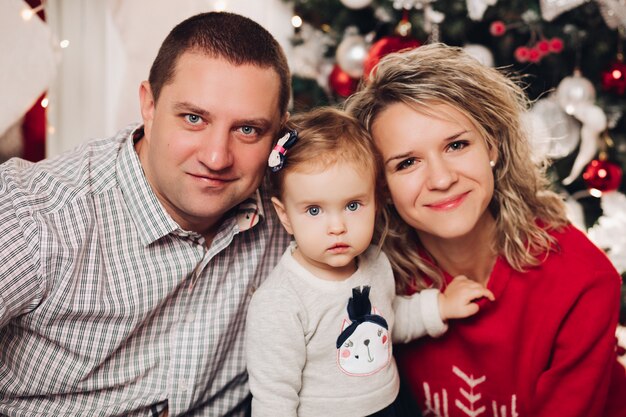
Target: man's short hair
pixel 235 38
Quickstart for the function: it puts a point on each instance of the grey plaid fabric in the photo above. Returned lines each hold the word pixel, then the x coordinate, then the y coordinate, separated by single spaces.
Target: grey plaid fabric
pixel 107 307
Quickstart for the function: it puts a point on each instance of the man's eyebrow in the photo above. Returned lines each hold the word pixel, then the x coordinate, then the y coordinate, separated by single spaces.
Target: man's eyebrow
pixel 259 122
pixel 184 106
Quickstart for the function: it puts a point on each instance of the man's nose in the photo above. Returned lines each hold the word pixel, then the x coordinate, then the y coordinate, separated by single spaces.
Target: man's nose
pixel 216 150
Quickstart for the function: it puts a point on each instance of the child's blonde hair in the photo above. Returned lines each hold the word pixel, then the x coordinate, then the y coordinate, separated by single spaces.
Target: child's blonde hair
pixel 523 207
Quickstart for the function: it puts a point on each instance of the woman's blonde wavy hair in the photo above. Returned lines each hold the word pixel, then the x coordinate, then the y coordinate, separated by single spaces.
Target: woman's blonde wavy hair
pixel 523 206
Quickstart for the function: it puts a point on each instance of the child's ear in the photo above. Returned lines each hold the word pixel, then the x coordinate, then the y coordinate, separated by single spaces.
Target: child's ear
pixel 282 214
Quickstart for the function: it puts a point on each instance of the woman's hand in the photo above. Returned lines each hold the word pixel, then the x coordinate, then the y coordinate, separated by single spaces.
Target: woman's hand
pixel 457 301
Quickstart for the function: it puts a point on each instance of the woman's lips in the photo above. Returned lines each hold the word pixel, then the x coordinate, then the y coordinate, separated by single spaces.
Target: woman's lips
pixel 448 203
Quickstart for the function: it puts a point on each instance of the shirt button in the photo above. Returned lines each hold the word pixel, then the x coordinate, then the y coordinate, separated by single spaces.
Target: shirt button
pixel 184 385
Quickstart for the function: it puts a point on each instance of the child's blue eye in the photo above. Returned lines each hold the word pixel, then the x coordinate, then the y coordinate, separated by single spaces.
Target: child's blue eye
pixel 353 205
pixel 313 211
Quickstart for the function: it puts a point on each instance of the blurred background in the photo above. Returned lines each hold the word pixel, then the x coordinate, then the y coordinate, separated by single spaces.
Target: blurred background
pixel 72 70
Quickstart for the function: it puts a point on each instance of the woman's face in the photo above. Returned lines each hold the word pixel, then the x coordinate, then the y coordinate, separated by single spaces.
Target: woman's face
pixel 437 169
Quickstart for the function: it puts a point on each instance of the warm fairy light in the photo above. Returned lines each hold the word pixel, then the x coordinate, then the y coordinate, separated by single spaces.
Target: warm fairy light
pixel 296 21
pixel 595 192
pixel 44 102
pixel 617 74
pixel 220 5
pixel 64 43
pixel 51 130
pixel 28 14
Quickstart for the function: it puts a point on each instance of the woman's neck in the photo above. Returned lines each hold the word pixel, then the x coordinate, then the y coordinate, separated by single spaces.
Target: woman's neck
pixel 472 255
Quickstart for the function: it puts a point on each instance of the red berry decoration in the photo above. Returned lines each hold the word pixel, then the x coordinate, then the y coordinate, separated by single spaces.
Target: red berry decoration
pixel 384 46
pixel 341 83
pixel 534 55
pixel 603 175
pixel 556 45
pixel 497 28
pixel 543 46
pixel 522 53
pixel 614 78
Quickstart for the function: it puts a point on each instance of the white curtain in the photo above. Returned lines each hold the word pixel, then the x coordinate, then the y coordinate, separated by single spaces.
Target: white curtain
pixel 111 46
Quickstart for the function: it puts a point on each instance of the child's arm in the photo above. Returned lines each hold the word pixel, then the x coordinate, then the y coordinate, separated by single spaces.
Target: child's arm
pixel 275 353
pixel 457 301
pixel 426 312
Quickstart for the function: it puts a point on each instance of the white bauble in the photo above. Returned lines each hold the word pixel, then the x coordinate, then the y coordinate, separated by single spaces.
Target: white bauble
pixel 356 4
pixel 351 53
pixel 481 53
pixel 573 91
pixel 554 134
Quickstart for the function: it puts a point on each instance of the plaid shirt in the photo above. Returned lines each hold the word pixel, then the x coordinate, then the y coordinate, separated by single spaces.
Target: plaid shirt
pixel 108 307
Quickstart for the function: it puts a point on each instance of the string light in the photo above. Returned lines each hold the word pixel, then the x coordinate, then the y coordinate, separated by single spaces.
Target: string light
pixel 44 102
pixel 28 14
pixel 296 21
pixel 220 5
pixel 64 43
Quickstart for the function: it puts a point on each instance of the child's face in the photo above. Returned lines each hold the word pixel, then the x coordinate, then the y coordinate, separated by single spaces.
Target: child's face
pixel 331 214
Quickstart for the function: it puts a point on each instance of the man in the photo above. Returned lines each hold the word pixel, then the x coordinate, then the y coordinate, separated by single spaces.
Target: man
pixel 127 265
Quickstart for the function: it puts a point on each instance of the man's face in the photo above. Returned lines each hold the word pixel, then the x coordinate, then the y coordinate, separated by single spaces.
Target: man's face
pixel 208 138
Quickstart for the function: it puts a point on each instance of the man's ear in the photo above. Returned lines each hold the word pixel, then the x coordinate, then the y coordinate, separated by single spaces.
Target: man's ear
pixel 282 214
pixel 147 104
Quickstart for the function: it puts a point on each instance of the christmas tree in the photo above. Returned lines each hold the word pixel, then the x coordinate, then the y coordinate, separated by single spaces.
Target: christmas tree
pixel 568 52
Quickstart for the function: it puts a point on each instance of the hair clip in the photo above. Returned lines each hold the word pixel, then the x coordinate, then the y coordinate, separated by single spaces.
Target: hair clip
pixel 278 154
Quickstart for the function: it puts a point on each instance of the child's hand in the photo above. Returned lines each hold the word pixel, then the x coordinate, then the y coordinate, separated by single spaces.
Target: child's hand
pixel 457 300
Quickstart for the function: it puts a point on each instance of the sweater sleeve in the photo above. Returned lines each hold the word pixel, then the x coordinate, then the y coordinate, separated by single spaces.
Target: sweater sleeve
pixel 275 352
pixel 416 316
pixel 576 382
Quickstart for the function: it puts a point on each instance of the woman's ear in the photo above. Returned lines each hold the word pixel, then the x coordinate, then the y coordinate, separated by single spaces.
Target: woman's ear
pixel 282 214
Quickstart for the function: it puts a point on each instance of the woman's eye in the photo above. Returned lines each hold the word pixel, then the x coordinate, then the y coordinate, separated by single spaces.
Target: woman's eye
pixel 407 163
pixel 313 211
pixel 458 145
pixel 353 205
pixel 194 119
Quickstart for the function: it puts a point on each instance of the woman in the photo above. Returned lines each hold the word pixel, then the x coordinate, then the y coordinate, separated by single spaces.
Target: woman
pixel 466 199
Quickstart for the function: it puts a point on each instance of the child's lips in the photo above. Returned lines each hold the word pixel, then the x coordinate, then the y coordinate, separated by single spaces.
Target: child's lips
pixel 339 248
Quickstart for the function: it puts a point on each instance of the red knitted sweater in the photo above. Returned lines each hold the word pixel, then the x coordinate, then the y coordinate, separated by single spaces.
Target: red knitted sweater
pixel 544 348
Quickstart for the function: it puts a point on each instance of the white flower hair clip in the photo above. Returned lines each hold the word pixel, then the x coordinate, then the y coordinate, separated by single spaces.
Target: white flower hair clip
pixel 278 154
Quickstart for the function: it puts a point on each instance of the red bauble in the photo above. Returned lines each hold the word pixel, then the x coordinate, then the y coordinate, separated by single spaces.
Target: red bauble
pixel 341 83
pixel 614 78
pixel 385 46
pixel 603 175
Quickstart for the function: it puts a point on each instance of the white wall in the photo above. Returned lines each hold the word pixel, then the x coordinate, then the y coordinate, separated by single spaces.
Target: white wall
pixel 112 45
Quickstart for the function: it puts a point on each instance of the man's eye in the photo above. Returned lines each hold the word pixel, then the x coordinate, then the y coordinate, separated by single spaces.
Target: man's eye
pixel 313 211
pixel 353 205
pixel 247 130
pixel 194 119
